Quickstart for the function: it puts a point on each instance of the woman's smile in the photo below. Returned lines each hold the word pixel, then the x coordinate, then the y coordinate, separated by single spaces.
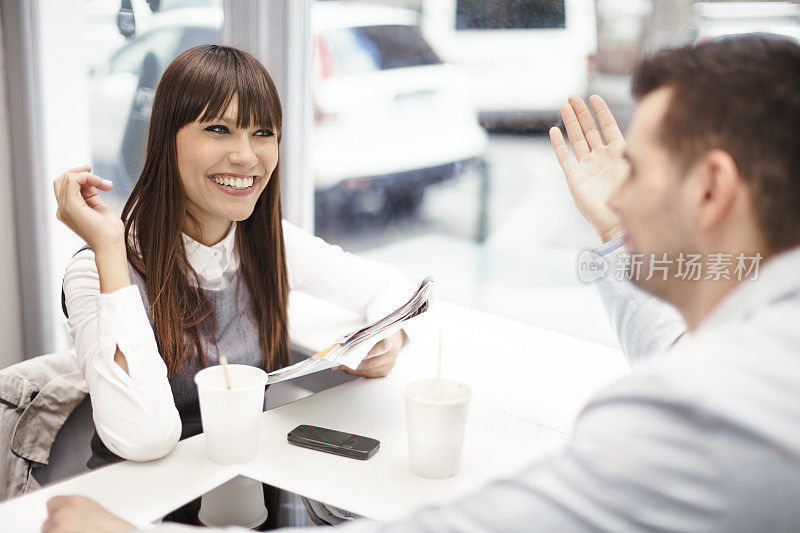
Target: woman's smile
pixel 235 184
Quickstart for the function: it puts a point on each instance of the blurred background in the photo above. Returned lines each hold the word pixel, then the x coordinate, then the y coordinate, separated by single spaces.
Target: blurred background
pixel 416 129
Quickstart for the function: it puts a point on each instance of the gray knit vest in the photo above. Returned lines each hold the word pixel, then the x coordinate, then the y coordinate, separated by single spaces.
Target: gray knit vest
pixel 236 338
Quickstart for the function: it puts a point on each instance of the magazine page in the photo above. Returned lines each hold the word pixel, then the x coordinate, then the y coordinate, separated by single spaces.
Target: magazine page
pixel 352 349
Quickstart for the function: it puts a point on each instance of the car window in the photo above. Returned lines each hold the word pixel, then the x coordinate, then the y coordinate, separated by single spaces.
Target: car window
pixel 372 48
pixel 161 42
pixel 510 14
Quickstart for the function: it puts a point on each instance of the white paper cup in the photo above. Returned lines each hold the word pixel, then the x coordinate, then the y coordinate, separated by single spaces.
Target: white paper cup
pixel 237 502
pixel 231 418
pixel 436 427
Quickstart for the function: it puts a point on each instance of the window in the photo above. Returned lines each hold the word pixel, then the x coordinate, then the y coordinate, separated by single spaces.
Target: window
pixel 162 42
pixel 428 148
pixel 369 48
pixel 510 14
pixel 197 36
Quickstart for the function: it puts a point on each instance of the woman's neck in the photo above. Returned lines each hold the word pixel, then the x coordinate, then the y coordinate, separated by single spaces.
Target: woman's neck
pixel 208 234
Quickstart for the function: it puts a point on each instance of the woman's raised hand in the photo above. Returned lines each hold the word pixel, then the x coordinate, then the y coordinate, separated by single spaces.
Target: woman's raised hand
pixel 597 167
pixel 83 211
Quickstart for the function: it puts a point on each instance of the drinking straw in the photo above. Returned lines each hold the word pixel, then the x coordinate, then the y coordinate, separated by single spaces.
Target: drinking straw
pixel 438 383
pixel 224 362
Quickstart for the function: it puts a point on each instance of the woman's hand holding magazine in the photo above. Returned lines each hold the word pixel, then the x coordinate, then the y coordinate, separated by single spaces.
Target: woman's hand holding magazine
pixel 350 350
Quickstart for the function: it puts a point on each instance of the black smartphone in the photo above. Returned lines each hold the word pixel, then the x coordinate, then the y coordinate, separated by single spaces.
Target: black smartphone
pixel 332 441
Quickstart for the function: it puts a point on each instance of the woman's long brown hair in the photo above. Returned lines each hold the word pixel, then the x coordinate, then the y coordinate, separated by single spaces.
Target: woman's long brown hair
pixel 199 85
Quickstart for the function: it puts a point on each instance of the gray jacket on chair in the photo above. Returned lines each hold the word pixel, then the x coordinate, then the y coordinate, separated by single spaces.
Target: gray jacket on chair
pixel 36 397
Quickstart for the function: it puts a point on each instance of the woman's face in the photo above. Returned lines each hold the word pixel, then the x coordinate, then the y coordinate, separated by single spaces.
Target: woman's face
pixel 224 169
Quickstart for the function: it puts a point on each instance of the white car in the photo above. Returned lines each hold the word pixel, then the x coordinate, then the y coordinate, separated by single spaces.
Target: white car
pixel 520 58
pixel 390 117
pixel 719 19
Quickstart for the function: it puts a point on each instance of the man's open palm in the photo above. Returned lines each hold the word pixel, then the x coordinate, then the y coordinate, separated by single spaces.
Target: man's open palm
pixel 597 168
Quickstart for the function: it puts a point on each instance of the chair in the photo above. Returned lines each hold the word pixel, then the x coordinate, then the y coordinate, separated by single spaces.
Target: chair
pixel 71 448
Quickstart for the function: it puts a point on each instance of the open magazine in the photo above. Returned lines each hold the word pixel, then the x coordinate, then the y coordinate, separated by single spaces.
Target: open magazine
pixel 352 348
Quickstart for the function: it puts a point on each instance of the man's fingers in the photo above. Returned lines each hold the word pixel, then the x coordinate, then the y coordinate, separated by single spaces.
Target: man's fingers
pixel 608 124
pixel 565 159
pixel 56 502
pixel 576 139
pixel 587 122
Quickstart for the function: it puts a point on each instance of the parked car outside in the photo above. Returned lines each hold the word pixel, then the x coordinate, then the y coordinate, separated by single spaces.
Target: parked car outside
pixel 718 19
pixel 390 117
pixel 519 57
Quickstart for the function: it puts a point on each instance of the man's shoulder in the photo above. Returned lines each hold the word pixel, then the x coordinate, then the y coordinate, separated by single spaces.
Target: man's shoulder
pixel 744 374
pixel 763 345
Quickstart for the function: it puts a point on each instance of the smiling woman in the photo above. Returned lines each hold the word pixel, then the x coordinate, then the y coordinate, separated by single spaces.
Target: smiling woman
pixel 200 264
pixel 207 154
pixel 207 102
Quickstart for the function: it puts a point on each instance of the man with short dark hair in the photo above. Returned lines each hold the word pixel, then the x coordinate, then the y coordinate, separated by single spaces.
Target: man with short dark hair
pixel 704 433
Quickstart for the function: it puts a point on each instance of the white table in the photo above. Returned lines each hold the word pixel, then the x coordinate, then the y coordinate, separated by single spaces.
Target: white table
pixel 528 385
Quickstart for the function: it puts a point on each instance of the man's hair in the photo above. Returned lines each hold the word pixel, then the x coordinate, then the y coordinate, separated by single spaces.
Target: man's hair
pixel 741 95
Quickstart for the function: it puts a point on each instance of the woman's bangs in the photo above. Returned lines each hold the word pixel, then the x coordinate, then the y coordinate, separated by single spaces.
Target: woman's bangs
pixel 258 103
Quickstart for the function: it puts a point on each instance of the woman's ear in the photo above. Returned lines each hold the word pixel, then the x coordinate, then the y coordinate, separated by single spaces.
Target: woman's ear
pixel 716 184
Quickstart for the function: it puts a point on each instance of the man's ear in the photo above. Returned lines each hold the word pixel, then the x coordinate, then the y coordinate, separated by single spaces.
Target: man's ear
pixel 716 183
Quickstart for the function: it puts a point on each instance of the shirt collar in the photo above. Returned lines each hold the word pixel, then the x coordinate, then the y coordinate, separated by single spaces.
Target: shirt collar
pixel 777 279
pixel 211 261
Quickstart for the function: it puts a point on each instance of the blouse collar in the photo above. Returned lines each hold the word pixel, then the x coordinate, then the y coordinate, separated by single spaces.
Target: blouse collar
pixel 212 262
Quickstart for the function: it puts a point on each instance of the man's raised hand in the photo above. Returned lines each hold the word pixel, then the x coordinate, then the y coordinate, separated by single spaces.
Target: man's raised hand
pixel 597 168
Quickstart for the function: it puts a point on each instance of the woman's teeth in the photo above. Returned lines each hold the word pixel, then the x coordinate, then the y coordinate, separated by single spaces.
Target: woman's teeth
pixel 234 183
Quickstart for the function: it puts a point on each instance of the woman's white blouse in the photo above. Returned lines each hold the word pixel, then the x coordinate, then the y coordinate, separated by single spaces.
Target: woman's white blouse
pixel 135 414
pixel 215 265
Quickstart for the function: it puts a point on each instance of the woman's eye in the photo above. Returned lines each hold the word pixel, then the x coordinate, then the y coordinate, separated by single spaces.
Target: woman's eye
pixel 224 129
pixel 217 129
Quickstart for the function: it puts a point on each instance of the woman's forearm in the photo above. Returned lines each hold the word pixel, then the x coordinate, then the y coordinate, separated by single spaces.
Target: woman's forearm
pixel 112 268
